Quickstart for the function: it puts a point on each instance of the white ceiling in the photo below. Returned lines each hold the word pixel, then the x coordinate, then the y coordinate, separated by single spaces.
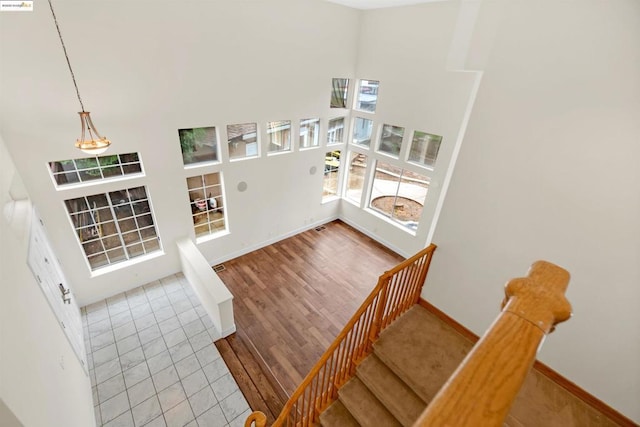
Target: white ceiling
pixel 377 4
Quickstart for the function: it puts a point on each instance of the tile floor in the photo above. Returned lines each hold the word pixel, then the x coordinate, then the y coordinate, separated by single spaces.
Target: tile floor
pixel 152 361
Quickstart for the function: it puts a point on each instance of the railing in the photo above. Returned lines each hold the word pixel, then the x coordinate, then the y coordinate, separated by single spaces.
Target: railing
pixel 397 290
pixel 481 390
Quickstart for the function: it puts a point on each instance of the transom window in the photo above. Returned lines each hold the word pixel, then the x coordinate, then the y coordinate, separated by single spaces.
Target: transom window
pixel 367 95
pixel 114 227
pixel 391 140
pixel 74 171
pixel 243 140
pixel 198 145
pixel 424 149
pixel 309 133
pixel 207 203
pixel 339 93
pixel 279 134
pixel 399 194
pixel 335 131
pixel 362 130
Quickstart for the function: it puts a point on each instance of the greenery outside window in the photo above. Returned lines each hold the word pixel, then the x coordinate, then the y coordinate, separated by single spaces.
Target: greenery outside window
pixel 207 203
pixel 367 95
pixel 335 131
pixel 279 134
pixel 391 140
pixel 355 179
pixel 198 145
pixel 309 133
pixel 362 130
pixel 243 140
pixel 424 149
pixel 399 194
pixel 74 171
pixel 114 227
pixel 331 171
pixel 339 93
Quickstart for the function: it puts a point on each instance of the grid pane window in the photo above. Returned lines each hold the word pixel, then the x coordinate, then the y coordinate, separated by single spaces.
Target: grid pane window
pixel 198 145
pixel 399 194
pixel 367 95
pixel 279 134
pixel 391 140
pixel 335 131
pixel 243 140
pixel 309 133
pixel 424 148
pixel 331 170
pixel 74 171
pixel 114 227
pixel 339 93
pixel 355 180
pixel 207 203
pixel 362 130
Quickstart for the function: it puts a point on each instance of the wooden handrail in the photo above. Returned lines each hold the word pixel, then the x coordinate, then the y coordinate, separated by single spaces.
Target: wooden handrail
pixel 481 390
pixel 396 291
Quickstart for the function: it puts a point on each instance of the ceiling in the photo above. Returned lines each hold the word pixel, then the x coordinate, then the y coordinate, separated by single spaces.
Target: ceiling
pixel 378 4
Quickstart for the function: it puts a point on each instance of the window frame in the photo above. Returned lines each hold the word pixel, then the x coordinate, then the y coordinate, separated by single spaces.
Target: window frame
pixel 221 206
pixel 100 168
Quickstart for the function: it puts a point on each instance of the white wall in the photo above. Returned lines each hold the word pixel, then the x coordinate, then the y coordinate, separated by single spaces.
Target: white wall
pixel 549 170
pixel 406 49
pixel 41 380
pixel 153 68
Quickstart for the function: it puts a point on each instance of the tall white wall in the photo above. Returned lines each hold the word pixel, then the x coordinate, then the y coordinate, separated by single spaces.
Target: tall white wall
pixel 407 49
pixel 153 68
pixel 549 170
pixel 41 380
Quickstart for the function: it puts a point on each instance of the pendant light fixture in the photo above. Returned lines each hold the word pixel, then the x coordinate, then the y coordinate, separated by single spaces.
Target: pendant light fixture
pixel 90 140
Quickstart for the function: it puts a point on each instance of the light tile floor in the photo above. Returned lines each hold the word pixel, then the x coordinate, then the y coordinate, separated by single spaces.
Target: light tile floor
pixel 152 361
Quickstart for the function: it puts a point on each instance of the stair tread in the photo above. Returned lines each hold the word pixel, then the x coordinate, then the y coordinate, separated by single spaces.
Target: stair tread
pixel 421 350
pixel 364 406
pixel 337 415
pixel 405 405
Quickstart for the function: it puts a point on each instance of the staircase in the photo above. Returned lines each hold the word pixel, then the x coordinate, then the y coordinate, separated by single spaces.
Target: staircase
pixel 392 386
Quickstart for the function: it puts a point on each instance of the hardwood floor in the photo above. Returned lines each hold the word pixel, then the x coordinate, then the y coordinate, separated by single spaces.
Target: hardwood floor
pixel 291 299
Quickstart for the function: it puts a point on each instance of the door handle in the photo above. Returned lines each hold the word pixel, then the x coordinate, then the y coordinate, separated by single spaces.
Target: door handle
pixel 66 294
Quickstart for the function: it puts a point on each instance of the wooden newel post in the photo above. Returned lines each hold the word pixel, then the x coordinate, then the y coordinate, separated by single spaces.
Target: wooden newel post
pixel 482 389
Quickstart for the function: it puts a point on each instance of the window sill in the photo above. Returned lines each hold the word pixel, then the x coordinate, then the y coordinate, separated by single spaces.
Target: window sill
pixel 212 236
pixel 96 182
pixel 120 265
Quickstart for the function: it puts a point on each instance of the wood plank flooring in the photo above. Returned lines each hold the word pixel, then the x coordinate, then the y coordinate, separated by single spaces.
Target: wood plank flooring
pixel 291 299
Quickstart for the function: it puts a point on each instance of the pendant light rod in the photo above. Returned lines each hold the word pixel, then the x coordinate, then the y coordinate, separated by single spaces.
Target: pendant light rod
pixel 73 77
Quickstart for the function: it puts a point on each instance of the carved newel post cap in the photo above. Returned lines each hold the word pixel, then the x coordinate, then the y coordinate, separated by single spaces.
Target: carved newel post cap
pixel 539 297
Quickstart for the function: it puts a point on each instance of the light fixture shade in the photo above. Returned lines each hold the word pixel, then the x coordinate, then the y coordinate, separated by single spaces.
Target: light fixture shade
pixel 90 140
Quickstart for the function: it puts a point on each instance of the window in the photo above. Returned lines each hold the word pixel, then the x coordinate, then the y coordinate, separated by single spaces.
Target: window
pixel 355 180
pixel 331 169
pixel 243 140
pixel 309 133
pixel 75 171
pixel 424 148
pixel 114 227
pixel 391 140
pixel 367 96
pixel 399 194
pixel 339 93
pixel 207 203
pixel 199 145
pixel 335 133
pixel 362 130
pixel 279 136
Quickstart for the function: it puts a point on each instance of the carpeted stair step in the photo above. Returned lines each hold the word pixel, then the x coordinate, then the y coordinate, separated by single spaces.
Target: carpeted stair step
pixel 364 406
pixel 336 415
pixel 421 350
pixel 390 390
